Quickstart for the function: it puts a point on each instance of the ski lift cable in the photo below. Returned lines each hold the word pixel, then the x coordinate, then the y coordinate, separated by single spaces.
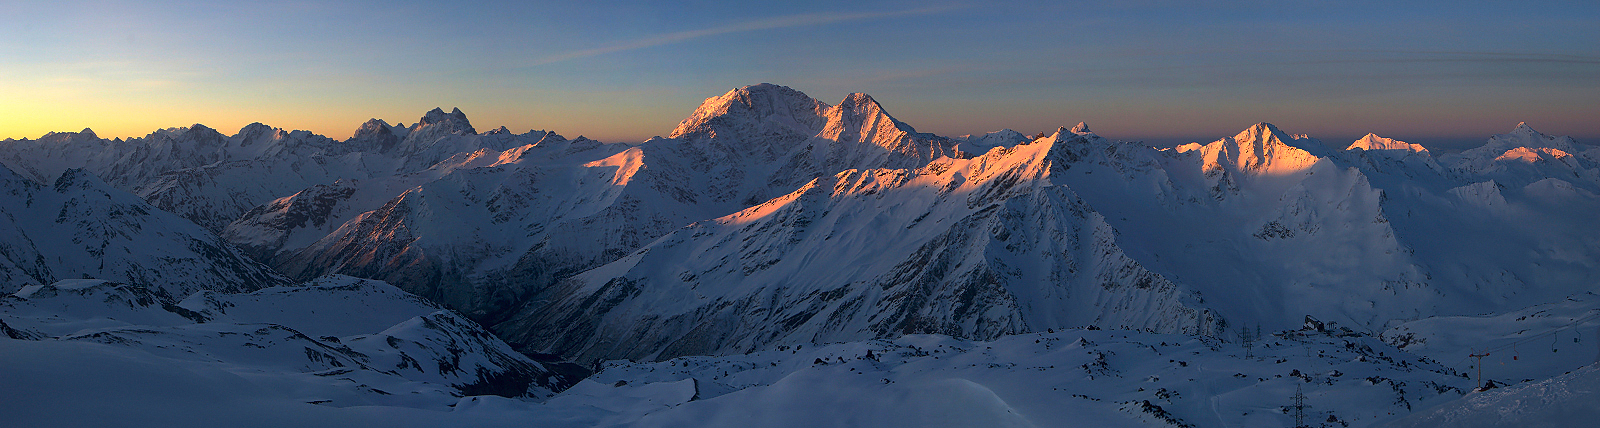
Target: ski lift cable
pixel 1513 344
pixel 1539 336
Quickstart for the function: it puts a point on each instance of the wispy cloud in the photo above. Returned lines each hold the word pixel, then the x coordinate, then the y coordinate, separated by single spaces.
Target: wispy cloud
pixel 803 20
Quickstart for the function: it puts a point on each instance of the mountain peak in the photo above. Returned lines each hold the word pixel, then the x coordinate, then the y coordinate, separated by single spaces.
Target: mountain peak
pixel 453 121
pixel 197 133
pixel 79 178
pixel 1259 131
pixel 1522 136
pixel 373 127
pixel 1523 128
pixel 1081 128
pixel 862 106
pixel 859 118
pixel 1373 142
pixel 199 128
pixel 256 128
pixel 1525 136
pixel 858 99
pixel 1260 148
pixel 756 108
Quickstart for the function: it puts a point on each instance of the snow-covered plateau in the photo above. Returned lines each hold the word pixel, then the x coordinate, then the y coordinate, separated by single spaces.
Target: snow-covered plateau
pixel 777 260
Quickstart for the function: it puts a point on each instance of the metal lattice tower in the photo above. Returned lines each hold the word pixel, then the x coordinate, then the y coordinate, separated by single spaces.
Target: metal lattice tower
pixel 1299 408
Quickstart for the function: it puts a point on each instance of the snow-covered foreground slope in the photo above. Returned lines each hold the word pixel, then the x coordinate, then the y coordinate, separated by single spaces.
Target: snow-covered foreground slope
pixel 1068 378
pixel 1532 343
pixel 1568 400
pixel 80 227
pixel 336 341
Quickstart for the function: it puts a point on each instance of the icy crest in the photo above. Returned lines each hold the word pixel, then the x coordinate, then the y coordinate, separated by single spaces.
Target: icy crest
pixel 1374 142
pixel 860 118
pixel 1520 136
pixel 1259 149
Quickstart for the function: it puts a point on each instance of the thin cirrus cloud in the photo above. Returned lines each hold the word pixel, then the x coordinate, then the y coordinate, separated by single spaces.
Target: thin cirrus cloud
pixel 792 21
pixel 1400 56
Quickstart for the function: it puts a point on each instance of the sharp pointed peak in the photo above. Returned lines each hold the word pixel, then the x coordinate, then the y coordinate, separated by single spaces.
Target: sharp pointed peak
pixel 861 103
pixel 1523 128
pixel 1063 133
pixel 1081 128
pixel 1522 136
pixel 1263 131
pixel 1371 139
pixel 858 98
pixel 1264 126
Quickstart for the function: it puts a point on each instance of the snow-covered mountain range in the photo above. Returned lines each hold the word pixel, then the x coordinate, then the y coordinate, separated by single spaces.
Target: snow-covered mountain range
pixel 982 247
pixel 212 178
pixel 77 226
pixel 769 220
pixel 484 237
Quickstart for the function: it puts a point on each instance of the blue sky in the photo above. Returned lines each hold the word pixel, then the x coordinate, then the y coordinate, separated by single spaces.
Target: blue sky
pixel 1438 73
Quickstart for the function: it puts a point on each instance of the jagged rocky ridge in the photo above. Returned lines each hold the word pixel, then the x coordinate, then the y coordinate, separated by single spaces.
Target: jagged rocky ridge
pixel 211 178
pixel 81 227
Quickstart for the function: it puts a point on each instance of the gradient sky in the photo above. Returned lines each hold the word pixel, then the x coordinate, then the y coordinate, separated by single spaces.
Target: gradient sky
pixel 1436 73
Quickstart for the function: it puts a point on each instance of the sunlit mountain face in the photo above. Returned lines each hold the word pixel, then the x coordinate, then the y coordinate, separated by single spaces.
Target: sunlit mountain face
pixel 774 255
